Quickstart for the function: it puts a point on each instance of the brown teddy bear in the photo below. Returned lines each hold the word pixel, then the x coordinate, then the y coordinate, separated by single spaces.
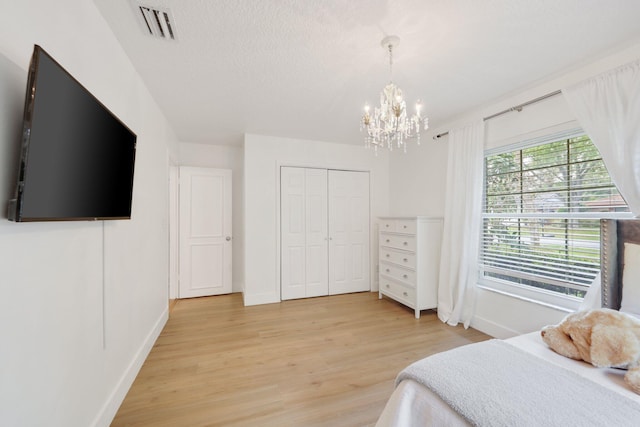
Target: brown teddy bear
pixel 602 337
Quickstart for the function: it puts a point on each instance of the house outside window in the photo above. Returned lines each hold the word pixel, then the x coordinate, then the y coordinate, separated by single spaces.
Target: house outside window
pixel 542 205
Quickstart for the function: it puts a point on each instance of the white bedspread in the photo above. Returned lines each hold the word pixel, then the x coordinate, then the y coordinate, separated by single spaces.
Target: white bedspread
pixel 610 378
pixel 411 404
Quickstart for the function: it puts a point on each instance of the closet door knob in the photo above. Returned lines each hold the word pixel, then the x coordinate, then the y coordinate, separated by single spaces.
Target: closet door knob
pixel 228 238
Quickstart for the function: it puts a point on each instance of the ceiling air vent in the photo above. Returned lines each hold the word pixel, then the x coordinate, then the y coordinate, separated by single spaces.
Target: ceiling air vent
pixel 157 22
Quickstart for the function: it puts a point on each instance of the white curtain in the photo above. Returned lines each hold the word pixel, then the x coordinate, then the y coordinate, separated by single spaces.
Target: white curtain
pixel 608 109
pixel 462 217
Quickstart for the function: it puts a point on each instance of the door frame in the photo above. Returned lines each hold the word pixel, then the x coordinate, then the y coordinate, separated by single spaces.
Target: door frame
pixel 279 166
pixel 174 237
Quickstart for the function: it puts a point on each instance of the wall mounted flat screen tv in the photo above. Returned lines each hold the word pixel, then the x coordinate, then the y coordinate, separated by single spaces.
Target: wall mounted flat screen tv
pixel 76 157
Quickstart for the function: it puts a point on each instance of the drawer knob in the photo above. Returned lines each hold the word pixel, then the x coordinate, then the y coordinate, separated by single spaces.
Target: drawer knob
pixel 404 243
pixel 405 294
pixel 387 286
pixel 387 255
pixel 404 226
pixel 387 240
pixel 405 276
pixel 405 260
pixel 387 270
pixel 386 225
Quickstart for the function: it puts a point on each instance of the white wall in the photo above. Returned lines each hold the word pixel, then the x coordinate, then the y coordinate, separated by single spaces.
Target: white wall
pixel 224 157
pixel 418 181
pixel 82 301
pixel 263 156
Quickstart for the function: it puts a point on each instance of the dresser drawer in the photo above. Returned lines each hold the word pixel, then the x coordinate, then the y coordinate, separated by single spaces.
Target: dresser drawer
pixel 388 225
pixel 405 226
pixel 406 259
pixel 398 273
pixel 407 243
pixel 398 291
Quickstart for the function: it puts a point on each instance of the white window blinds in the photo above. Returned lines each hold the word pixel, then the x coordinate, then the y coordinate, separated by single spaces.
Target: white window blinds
pixel 541 215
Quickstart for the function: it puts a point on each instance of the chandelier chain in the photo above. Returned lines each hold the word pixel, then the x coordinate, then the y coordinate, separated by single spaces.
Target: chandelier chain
pixel 390 62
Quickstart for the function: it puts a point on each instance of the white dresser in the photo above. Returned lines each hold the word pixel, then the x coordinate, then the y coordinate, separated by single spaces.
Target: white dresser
pixel 409 260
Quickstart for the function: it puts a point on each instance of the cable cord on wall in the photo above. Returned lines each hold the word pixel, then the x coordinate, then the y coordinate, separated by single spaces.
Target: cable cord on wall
pixel 104 320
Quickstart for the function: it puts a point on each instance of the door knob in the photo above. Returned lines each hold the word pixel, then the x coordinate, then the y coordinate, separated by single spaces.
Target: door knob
pixel 228 238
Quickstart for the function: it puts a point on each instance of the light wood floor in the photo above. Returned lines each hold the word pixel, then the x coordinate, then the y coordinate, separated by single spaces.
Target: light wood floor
pixel 328 361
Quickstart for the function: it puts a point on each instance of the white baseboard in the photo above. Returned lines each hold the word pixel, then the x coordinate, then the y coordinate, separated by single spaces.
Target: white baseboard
pixel 491 328
pixel 110 408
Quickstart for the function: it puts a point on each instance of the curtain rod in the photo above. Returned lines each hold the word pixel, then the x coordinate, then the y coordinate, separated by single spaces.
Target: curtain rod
pixel 517 108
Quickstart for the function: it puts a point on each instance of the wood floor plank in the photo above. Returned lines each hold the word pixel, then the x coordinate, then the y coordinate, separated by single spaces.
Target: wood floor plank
pixel 328 361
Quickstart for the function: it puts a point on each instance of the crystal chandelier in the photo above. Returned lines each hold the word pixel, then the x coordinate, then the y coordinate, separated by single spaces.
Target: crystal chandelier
pixel 389 124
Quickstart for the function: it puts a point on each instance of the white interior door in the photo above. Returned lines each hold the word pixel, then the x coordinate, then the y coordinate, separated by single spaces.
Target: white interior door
pixel 303 226
pixel 205 232
pixel 348 232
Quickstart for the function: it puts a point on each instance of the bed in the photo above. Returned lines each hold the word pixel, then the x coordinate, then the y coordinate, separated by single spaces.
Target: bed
pixel 520 381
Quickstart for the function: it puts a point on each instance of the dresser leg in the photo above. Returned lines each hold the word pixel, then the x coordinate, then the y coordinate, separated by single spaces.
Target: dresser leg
pixel 417 313
pixel 379 295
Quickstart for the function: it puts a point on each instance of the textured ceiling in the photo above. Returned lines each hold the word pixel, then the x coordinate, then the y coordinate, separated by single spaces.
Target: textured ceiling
pixel 303 69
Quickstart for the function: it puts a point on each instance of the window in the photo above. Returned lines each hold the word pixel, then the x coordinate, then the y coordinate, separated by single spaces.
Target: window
pixel 542 205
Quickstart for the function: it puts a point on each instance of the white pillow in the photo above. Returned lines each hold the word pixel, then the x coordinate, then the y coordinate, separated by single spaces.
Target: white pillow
pixel 631 280
pixel 593 298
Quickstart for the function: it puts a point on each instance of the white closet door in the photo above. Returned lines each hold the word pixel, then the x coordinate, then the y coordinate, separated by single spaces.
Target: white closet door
pixel 348 232
pixel 316 232
pixel 303 214
pixel 205 232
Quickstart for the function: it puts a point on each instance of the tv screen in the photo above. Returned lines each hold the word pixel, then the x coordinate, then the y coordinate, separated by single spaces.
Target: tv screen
pixel 77 158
